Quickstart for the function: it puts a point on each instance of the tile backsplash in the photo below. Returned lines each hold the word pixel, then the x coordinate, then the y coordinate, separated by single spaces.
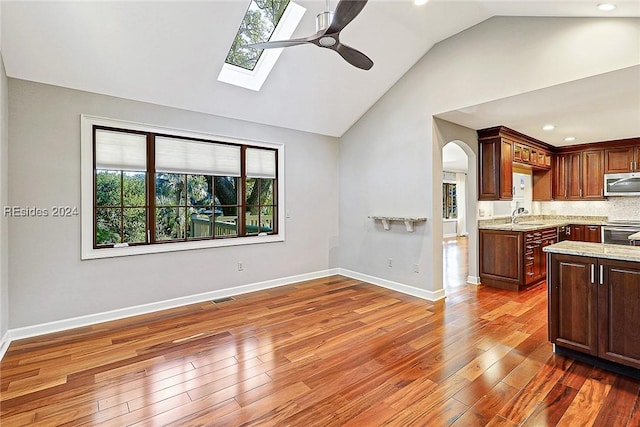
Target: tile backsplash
pixel 616 208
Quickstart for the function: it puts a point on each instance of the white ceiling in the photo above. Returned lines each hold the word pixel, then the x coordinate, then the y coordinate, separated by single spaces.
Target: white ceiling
pixel 600 108
pixel 170 53
pixel 454 158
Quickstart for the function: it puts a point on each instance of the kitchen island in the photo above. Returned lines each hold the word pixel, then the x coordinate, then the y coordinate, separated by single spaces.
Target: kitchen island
pixel 594 303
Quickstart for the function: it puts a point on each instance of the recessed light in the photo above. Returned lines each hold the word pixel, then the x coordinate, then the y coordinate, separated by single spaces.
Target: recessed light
pixel 606 7
pixel 570 138
pixel 548 127
pixel 420 2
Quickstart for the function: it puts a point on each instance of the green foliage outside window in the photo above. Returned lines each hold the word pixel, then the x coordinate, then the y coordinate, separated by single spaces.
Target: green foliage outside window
pixel 258 24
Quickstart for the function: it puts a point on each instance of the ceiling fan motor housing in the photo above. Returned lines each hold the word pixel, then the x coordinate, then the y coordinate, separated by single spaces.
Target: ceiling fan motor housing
pixel 323 20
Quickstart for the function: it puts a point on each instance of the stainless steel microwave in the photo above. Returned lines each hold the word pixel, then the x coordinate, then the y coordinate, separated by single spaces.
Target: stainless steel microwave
pixel 622 184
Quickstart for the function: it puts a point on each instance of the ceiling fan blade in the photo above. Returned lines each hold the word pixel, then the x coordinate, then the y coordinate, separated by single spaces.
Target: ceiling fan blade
pixel 354 57
pixel 278 44
pixel 345 12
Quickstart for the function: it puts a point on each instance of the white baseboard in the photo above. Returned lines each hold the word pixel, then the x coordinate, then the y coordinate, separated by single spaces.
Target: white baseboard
pixel 4 344
pixel 400 287
pixel 473 280
pixel 92 319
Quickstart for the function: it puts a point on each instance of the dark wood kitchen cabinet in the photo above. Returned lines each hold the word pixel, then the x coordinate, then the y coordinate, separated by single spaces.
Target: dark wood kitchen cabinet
pixel 579 175
pixel 593 307
pixel 498 149
pixel 592 233
pixel 514 260
pixel 573 303
pixel 622 159
pixel 496 169
pixel 584 233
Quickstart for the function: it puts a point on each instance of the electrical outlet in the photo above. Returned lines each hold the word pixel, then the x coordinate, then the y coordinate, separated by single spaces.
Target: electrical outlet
pixel 416 268
pixel 240 266
pixel 390 262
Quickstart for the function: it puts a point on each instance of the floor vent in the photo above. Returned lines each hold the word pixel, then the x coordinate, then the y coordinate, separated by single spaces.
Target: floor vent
pixel 221 300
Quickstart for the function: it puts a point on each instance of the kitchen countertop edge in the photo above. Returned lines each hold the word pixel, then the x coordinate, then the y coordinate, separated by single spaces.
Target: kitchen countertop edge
pixel 541 226
pixel 595 250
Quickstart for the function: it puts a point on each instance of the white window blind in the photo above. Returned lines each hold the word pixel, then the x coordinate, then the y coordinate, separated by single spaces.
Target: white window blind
pixel 121 150
pixel 260 163
pixel 193 157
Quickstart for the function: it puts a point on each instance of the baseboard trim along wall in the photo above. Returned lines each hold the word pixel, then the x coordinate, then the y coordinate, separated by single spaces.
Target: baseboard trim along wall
pixel 473 280
pixel 92 319
pixel 395 286
pixel 4 344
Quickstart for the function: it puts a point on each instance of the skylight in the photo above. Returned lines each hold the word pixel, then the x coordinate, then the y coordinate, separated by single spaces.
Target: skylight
pixel 265 20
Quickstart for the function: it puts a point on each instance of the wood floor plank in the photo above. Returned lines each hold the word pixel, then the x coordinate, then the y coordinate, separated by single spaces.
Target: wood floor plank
pixel 587 403
pixel 486 408
pixel 327 352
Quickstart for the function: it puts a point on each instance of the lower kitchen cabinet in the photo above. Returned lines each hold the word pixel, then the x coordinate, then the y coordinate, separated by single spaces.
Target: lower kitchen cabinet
pixel 594 307
pixel 584 233
pixel 514 260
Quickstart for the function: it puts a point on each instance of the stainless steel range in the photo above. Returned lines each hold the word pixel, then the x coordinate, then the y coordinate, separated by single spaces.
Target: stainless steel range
pixel 618 232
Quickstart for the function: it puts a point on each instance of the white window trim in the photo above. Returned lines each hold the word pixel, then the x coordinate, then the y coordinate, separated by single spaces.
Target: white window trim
pixel 86 187
pixel 254 79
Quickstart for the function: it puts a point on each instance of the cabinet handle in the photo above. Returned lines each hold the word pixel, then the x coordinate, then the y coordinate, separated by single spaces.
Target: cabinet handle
pixel 593 272
pixel 601 274
pixel 631 165
pixel 581 193
pixel 529 274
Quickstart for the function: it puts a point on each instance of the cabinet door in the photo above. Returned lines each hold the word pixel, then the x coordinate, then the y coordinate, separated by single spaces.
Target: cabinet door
pixel 506 170
pixel 573 303
pixel 618 160
pixel 576 233
pixel 592 175
pixel 501 255
pixel 619 312
pixel 495 163
pixel 574 176
pixel 561 177
pixel 592 233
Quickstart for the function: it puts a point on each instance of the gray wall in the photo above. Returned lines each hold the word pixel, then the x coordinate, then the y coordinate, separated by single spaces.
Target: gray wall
pixel 391 160
pixel 4 235
pixel 47 279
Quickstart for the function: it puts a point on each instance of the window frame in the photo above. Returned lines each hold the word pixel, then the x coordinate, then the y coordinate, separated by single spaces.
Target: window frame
pixel 88 196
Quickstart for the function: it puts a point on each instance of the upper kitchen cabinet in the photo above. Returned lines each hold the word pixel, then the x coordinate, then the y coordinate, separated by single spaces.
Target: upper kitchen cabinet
pixel 495 167
pixel 623 158
pixel 579 175
pixel 499 148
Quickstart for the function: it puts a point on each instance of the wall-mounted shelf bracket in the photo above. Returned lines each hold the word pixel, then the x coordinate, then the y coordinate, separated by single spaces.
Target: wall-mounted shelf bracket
pixel 408 221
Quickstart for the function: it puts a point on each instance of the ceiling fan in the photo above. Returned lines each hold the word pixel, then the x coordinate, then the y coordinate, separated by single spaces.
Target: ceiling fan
pixel 328 27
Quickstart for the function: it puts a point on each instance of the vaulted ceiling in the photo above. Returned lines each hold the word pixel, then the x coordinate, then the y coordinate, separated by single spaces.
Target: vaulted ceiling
pixel 170 53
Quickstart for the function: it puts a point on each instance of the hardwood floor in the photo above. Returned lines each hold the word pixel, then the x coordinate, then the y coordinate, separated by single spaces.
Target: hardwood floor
pixel 455 254
pixel 328 352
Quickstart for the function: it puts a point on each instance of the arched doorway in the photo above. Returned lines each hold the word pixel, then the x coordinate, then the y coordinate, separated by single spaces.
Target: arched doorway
pixel 455 168
pixel 467 139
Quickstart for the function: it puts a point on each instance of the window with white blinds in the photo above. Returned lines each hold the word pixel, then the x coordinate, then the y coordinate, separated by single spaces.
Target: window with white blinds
pixel 152 188
pixel 260 163
pixel 196 157
pixel 120 150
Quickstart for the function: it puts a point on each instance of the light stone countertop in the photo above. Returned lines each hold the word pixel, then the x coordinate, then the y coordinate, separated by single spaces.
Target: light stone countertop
pixel 635 236
pixel 596 250
pixel 529 225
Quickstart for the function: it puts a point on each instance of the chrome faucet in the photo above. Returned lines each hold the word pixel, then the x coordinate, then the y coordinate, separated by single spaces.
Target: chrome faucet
pixel 517 213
